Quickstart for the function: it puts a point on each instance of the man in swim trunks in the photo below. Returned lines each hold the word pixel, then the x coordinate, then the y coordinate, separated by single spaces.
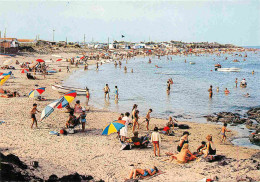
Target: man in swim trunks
pixel 106 91
pixel 33 112
pixel 147 119
pixel 168 87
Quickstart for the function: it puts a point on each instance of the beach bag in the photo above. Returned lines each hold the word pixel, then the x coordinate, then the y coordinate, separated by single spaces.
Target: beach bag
pixel 126 147
pixel 184 126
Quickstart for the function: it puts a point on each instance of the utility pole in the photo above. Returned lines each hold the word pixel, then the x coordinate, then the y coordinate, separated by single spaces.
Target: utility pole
pixel 53 35
pixel 108 43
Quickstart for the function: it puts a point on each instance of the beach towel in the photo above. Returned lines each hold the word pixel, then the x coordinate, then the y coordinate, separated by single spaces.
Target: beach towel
pixel 1 122
pixel 150 177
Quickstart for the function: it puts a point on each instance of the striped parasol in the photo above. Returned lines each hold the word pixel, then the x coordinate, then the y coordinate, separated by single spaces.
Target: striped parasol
pixel 50 108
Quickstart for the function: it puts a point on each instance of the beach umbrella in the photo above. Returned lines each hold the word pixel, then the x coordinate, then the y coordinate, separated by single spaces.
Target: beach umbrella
pixel 120 121
pixel 58 59
pixel 50 108
pixel 36 92
pixel 112 128
pixel 40 60
pixel 4 79
pixel 68 98
pixel 24 70
pixel 82 57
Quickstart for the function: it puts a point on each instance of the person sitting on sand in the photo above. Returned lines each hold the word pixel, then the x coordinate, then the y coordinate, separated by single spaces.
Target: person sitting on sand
pixel 171 122
pixel 71 120
pixel 199 149
pixel 143 172
pixel 137 141
pixel 30 77
pixel 184 156
pixel 77 108
pixel 223 133
pixel 210 148
pixel 166 129
pixel 183 140
pixel 156 140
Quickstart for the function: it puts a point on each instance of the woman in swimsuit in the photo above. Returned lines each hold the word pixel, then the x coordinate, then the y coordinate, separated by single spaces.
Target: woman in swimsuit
pixel 136 117
pixel 143 172
pixel 77 108
pixel 183 140
pixel 210 148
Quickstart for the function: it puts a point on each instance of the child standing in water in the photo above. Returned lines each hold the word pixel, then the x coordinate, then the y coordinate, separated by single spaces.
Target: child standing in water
pixel 147 119
pixel 223 133
pixel 116 93
pixel 33 112
pixel 236 82
pixel 156 140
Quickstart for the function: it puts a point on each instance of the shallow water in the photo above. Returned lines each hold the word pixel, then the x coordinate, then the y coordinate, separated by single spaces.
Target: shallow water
pixel 189 94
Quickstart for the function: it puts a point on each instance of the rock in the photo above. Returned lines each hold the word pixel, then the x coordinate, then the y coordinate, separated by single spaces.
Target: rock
pixel 53 178
pixel 222 163
pixel 183 126
pixel 244 178
pixel 14 160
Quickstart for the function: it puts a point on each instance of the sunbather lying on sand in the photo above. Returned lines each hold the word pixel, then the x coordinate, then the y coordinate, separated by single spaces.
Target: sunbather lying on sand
pixel 142 172
pixel 9 94
pixel 184 156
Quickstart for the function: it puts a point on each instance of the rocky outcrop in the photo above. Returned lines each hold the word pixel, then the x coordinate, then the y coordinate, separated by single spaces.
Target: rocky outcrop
pixel 254 113
pixel 255 137
pixel 226 117
pixel 13 169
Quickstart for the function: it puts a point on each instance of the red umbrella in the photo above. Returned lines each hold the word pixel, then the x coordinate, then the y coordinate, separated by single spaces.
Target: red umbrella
pixel 40 60
pixel 82 57
pixel 58 59
pixel 24 70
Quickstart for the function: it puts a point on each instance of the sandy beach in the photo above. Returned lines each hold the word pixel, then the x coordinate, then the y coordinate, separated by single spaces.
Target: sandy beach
pixel 93 154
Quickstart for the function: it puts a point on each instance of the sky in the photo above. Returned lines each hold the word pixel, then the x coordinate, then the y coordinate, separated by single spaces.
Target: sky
pixel 235 22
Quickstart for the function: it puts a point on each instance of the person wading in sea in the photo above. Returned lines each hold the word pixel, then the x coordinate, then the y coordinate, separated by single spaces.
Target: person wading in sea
pixel 210 91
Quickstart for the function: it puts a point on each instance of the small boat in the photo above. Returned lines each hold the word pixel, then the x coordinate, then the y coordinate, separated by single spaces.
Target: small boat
pixel 65 89
pixel 229 69
pixel 192 63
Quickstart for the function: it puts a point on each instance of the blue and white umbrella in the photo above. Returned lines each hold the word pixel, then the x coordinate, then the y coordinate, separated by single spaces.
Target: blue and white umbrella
pixel 50 108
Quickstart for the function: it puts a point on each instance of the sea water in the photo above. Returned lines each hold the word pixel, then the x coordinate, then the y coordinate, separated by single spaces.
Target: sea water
pixel 188 98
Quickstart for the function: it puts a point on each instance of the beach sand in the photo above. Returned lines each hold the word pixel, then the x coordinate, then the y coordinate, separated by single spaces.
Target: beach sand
pixel 91 153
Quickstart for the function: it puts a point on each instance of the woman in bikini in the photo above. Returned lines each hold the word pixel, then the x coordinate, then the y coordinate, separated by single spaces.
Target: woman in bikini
pixel 87 95
pixel 142 172
pixel 136 117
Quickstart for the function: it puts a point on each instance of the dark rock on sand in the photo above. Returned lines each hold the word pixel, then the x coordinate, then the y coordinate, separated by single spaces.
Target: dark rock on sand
pixel 255 137
pixel 13 169
pixel 183 126
pixel 244 178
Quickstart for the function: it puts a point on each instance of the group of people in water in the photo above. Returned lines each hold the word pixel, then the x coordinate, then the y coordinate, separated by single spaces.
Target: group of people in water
pixel 243 84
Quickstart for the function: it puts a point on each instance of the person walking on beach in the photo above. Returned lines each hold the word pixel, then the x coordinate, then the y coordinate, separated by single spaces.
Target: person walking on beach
pixel 210 91
pixel 68 69
pixel 87 95
pixel 125 68
pixel 148 118
pixel 223 133
pixel 156 140
pixel 97 66
pixel 106 91
pixel 33 112
pixel 116 93
pixel 236 82
pixel 135 120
